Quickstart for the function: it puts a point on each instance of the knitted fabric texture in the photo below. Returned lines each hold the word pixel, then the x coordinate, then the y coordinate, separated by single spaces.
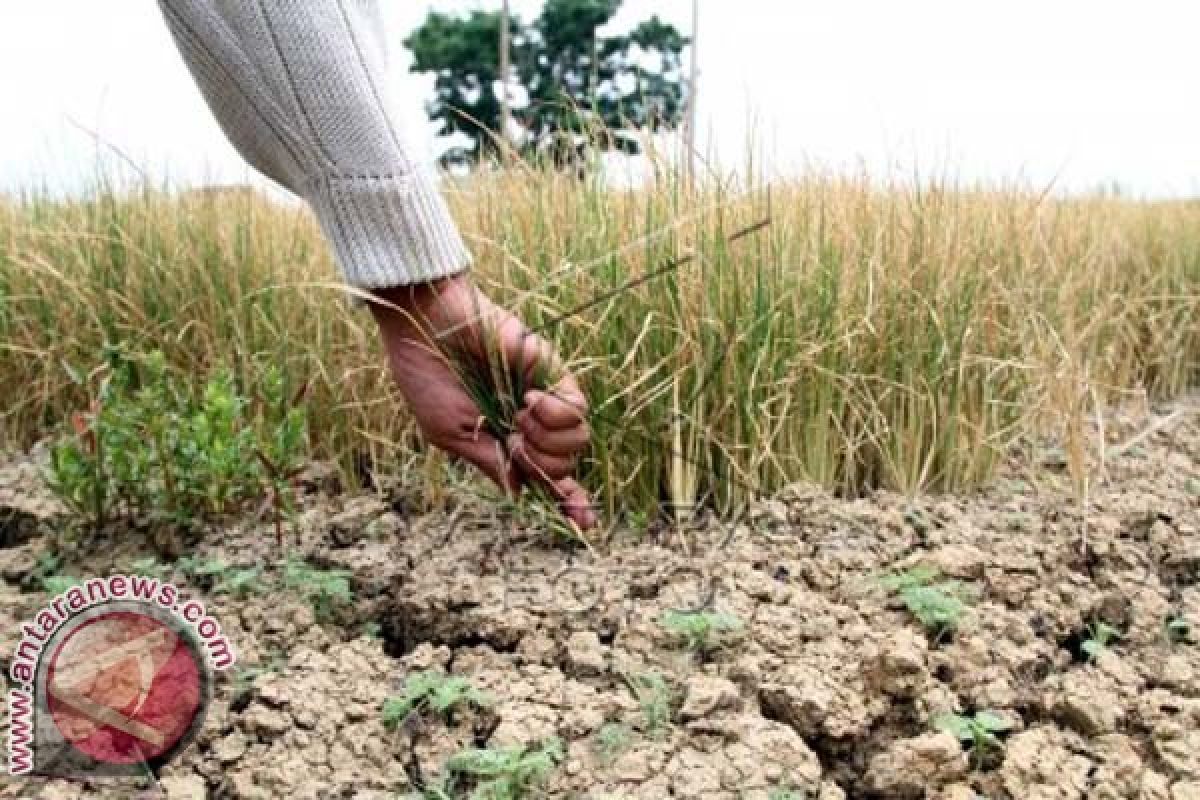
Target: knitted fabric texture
pixel 300 89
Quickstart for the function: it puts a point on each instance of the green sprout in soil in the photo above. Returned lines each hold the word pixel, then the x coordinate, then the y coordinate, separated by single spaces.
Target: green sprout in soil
pixel 324 589
pixel 432 691
pixel 700 631
pixel 978 732
pixel 47 577
pixel 220 577
pixel 240 581
pixel 150 567
pixel 612 741
pixel 653 696
pixel 1100 636
pixel 57 584
pixel 509 773
pixel 939 606
pixel 1178 629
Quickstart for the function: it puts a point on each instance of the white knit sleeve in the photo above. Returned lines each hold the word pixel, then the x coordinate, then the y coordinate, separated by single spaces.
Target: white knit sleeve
pixel 300 89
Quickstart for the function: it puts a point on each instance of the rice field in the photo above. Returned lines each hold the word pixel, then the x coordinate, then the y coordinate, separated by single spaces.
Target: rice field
pixel 906 337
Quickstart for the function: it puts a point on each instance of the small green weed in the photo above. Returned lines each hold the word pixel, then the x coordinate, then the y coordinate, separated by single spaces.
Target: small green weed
pixel 510 773
pixel 221 578
pixel 57 584
pixel 977 732
pixel 654 696
pixel 150 567
pixel 700 631
pixel 1100 636
pixel 152 448
pixel 324 589
pixel 1178 629
pixel 240 581
pixel 47 577
pixel 939 606
pixel 434 691
pixel 612 741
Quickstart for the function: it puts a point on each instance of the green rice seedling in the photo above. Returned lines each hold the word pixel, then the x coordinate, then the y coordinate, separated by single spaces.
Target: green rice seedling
pixel 939 606
pixel 654 697
pixel 1100 636
pixel 978 732
pixel 701 631
pixel 612 741
pixel 324 589
pixel 431 691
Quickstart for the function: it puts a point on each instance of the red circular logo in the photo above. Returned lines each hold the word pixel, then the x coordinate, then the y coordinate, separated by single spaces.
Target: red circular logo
pixel 124 688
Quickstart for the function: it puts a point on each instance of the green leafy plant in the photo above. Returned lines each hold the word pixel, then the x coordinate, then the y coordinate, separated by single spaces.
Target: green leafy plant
pixel 700 631
pixel 653 695
pixel 150 567
pixel 1100 636
pixel 434 691
pixel 612 741
pixel 240 581
pixel 152 448
pixel 324 589
pixel 1178 629
pixel 509 773
pixel 221 578
pixel 978 732
pixel 46 574
pixel 939 606
pixel 57 584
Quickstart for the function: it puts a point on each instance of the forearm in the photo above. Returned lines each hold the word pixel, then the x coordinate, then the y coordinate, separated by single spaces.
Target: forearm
pixel 299 87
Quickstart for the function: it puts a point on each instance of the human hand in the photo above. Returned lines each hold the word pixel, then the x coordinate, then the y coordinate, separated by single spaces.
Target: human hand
pixel 550 428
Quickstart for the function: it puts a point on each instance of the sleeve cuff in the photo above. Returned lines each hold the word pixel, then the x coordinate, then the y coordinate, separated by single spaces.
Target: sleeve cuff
pixel 388 230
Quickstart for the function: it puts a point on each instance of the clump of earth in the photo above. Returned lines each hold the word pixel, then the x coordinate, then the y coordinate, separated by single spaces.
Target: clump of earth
pixel 828 688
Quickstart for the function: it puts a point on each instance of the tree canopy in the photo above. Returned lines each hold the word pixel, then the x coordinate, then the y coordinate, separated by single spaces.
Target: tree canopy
pixel 570 89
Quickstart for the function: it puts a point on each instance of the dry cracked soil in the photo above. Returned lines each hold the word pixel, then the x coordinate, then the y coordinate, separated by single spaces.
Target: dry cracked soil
pixel 829 688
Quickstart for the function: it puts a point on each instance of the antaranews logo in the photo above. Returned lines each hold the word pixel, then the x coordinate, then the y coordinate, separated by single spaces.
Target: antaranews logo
pixel 113 675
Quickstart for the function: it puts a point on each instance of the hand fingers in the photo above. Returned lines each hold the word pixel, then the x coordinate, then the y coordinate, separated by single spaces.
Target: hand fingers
pixel 565 442
pixel 575 503
pixel 562 407
pixel 537 464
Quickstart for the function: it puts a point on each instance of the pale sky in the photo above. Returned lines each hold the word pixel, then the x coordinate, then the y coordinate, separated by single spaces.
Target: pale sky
pixel 1068 93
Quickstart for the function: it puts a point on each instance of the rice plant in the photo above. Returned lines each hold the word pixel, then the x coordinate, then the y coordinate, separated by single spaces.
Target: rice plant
pixel 896 336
